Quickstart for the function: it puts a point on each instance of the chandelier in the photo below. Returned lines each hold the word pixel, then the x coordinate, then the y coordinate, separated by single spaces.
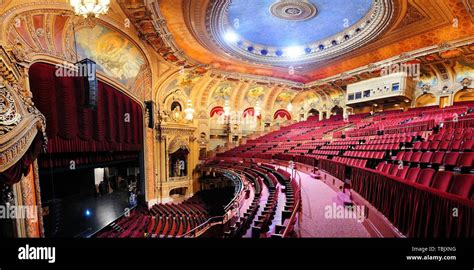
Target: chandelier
pixel 90 8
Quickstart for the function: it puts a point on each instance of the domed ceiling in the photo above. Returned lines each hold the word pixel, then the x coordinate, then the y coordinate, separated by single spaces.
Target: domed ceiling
pixel 283 32
pixel 303 42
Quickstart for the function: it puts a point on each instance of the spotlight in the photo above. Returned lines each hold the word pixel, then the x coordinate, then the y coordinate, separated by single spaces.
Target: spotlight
pixel 88 213
pixel 294 51
pixel 231 36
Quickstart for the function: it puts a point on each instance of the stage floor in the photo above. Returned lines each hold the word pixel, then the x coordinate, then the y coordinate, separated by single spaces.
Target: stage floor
pixel 82 216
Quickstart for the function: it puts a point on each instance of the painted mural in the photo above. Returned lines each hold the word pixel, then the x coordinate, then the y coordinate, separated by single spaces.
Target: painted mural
pixel 427 77
pixel 285 97
pixel 255 94
pixel 222 92
pixel 115 55
pixel 463 70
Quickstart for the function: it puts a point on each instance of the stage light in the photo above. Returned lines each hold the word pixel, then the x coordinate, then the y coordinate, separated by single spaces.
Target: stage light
pixel 294 51
pixel 231 36
pixel 88 213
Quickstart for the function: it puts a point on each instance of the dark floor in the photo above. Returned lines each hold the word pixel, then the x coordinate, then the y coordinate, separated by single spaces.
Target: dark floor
pixel 71 218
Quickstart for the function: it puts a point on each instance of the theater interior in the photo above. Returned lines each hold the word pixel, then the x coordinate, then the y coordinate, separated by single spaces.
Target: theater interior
pixel 237 119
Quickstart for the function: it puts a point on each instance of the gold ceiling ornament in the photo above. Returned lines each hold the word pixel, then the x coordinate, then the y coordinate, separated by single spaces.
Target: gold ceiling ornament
pixel 293 10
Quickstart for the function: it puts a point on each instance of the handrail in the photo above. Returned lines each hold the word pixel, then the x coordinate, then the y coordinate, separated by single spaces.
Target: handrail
pixel 296 209
pixel 197 231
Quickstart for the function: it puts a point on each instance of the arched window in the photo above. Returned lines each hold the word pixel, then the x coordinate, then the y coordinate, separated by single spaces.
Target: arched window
pixel 282 114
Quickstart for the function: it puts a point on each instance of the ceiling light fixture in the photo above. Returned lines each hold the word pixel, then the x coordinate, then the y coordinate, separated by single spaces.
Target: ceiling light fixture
pixel 294 51
pixel 231 36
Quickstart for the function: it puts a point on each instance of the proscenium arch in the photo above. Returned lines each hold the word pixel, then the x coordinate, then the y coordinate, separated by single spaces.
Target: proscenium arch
pixel 63 8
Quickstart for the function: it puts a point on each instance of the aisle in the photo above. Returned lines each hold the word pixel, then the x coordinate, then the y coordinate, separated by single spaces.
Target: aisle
pixel 316 197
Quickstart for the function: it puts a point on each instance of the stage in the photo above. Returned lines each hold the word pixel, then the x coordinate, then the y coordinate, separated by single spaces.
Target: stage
pixel 84 215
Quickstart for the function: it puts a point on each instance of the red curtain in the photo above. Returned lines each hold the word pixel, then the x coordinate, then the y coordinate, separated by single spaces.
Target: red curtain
pixel 114 126
pixel 14 174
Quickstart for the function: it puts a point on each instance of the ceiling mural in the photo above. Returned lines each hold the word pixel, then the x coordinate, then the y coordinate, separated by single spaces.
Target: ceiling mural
pixel 427 77
pixel 285 97
pixel 255 94
pixel 275 32
pixel 115 55
pixel 222 92
pixel 233 36
pixel 464 70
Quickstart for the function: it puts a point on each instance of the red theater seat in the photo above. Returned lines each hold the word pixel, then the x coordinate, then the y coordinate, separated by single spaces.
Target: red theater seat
pixel 467 145
pixel 386 168
pixel 455 145
pixel 393 170
pixel 426 158
pixel 416 157
pixel 403 172
pixel 412 174
pixel 462 185
pixel 466 160
pixel 407 156
pixel 425 177
pixel 442 180
pixel 444 146
pixel 451 159
pixel 437 158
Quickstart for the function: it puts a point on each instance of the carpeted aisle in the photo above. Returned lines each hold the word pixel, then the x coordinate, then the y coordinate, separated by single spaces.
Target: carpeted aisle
pixel 315 197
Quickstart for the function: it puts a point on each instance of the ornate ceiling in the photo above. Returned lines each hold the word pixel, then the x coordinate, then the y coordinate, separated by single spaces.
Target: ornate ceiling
pixel 286 32
pixel 196 32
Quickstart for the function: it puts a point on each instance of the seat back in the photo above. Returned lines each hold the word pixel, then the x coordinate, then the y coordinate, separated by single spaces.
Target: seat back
pixel 416 157
pixel 442 180
pixel 425 177
pixel 462 185
pixel 403 172
pixel 466 160
pixel 412 174
pixel 451 159
pixel 437 157
pixel 426 157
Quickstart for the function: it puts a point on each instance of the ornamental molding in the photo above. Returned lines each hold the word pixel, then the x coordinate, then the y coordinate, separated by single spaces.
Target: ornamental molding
pixel 20 121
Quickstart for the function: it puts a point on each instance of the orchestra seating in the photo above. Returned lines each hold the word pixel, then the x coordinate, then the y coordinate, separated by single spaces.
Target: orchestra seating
pixel 428 149
pixel 167 220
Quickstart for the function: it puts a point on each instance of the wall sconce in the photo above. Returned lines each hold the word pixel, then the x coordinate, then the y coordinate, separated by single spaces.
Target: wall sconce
pixel 189 111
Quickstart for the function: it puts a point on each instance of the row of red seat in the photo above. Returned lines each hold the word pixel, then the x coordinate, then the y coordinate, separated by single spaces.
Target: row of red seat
pixel 455 145
pixel 352 161
pixel 365 154
pixel 449 160
pixel 461 185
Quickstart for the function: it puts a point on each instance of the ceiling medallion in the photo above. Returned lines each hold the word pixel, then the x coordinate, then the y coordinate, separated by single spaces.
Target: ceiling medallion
pixel 293 10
